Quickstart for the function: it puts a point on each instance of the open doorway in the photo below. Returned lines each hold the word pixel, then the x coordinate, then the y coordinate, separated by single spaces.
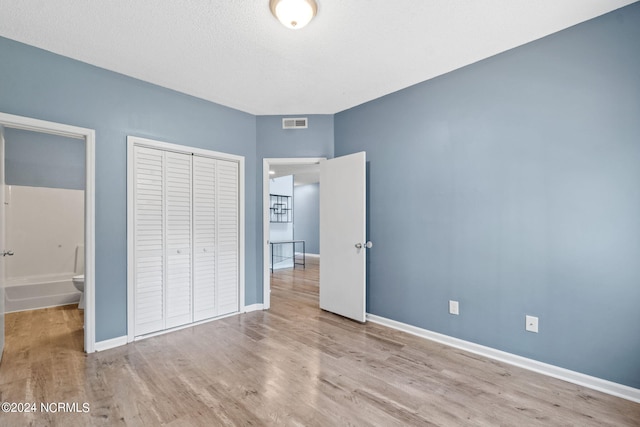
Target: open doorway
pixel 293 173
pixel 83 256
pixel 343 233
pixel 44 231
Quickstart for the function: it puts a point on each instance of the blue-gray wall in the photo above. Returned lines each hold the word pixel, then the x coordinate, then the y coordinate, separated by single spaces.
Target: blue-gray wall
pixel 512 186
pixel 306 216
pixel 274 142
pixel 41 160
pixel 39 84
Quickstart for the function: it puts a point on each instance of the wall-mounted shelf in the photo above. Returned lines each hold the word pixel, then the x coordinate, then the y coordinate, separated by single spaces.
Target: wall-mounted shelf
pixel 280 208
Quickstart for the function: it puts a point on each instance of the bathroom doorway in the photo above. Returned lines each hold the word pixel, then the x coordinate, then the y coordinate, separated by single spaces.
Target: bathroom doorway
pixel 71 249
pixel 44 220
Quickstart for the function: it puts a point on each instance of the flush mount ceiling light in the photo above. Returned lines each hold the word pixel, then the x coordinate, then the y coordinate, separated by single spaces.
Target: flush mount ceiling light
pixel 294 14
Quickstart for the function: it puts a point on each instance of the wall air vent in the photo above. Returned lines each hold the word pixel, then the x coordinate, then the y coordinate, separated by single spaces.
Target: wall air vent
pixel 294 123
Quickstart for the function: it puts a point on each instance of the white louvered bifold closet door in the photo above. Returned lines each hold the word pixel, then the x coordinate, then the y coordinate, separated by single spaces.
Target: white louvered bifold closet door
pixel 227 237
pixel 149 240
pixel 178 235
pixel 204 236
pixel 186 239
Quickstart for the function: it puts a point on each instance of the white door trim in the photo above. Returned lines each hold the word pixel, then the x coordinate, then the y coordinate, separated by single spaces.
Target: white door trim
pixel 266 165
pixel 89 136
pixel 143 142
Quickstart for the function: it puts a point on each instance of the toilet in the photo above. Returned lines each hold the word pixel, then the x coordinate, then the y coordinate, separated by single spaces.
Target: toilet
pixel 78 279
pixel 78 282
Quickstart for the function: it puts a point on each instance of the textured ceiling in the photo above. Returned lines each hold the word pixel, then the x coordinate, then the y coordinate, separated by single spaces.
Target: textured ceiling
pixel 235 53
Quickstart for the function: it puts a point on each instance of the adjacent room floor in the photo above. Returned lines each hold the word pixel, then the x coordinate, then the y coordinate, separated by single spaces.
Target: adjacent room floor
pixel 291 365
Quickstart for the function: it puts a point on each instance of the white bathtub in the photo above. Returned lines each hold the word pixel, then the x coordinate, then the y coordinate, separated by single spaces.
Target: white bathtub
pixel 30 293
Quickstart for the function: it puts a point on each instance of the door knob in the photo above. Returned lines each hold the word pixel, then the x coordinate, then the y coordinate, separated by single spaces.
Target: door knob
pixel 367 245
pixel 7 253
pixel 359 245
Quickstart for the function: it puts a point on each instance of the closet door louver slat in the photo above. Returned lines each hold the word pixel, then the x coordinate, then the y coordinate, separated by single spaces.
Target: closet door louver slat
pixel 178 239
pixel 149 235
pixel 227 237
pixel 204 223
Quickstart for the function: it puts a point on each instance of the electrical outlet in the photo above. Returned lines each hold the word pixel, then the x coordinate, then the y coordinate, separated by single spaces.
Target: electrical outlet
pixel 454 307
pixel 531 324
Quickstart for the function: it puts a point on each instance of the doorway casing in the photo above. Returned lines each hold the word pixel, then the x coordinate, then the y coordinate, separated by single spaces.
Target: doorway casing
pixel 266 166
pixel 89 136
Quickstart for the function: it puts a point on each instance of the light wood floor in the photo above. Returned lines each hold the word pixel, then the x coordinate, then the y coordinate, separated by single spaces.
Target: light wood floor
pixel 291 365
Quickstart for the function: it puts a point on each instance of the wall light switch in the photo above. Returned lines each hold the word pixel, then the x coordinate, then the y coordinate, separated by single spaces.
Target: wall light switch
pixel 454 308
pixel 531 324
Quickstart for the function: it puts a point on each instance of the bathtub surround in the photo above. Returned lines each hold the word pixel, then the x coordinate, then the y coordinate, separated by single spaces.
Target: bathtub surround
pixel 45 229
pixel 34 293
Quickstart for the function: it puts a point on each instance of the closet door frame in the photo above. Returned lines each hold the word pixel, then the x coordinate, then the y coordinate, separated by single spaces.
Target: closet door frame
pixel 134 141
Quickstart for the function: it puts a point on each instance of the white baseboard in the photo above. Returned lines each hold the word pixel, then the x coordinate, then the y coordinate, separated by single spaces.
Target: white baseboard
pixel 308 255
pixel 282 265
pixel 112 343
pixel 253 307
pixel 574 377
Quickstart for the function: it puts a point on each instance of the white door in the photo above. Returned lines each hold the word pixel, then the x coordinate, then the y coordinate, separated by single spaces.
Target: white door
pixel 204 238
pixel 2 248
pixel 343 236
pixel 148 195
pixel 228 249
pixel 184 231
pixel 178 239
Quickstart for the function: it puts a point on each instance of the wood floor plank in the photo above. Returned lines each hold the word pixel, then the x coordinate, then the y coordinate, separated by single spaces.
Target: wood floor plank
pixel 293 365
